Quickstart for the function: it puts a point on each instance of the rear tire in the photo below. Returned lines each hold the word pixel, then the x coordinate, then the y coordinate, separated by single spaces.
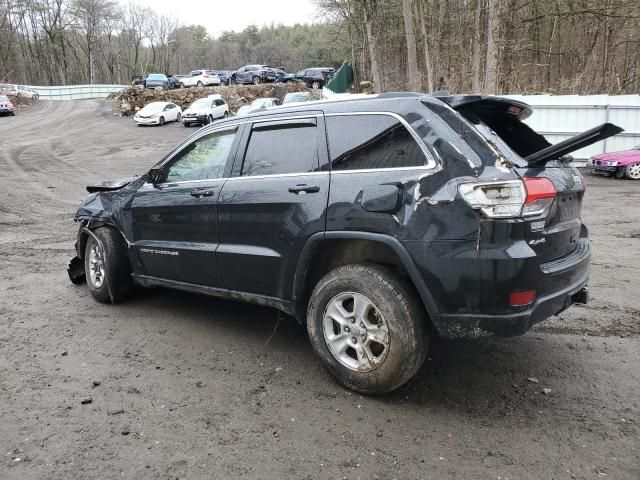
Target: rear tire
pixel 199 84
pixel 111 271
pixel 632 171
pixel 378 349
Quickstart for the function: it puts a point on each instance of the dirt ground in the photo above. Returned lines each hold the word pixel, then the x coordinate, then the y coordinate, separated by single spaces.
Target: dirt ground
pixel 190 388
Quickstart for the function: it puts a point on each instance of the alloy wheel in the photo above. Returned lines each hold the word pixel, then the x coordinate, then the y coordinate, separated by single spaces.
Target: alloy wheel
pixel 634 171
pixel 355 332
pixel 96 267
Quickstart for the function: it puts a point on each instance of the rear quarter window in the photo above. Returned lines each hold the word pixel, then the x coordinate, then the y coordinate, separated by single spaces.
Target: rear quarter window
pixel 362 142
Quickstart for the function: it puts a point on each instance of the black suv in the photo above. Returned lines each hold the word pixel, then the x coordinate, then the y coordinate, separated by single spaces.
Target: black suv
pixel 377 222
pixel 311 77
pixel 255 74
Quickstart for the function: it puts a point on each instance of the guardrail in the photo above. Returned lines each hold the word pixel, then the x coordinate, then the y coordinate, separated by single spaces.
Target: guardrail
pixel 75 92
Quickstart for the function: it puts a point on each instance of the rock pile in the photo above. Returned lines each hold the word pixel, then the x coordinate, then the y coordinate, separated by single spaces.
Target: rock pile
pixel 132 99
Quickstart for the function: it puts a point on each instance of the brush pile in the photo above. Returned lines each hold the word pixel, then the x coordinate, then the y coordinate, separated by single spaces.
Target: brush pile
pixel 132 99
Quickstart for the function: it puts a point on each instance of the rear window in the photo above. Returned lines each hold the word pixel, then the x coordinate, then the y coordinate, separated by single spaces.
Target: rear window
pixel 358 142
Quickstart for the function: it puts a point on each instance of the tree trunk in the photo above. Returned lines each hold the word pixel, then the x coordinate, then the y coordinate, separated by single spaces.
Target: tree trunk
pixel 413 75
pixel 476 86
pixel 373 50
pixel 491 65
pixel 427 54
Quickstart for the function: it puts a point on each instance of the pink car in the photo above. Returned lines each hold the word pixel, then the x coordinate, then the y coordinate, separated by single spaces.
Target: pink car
pixel 6 107
pixel 620 164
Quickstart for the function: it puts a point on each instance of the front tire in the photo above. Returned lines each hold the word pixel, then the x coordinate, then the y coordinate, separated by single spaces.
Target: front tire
pixel 179 117
pixel 633 171
pixel 368 327
pixel 256 80
pixel 161 121
pixel 199 84
pixel 315 85
pixel 107 269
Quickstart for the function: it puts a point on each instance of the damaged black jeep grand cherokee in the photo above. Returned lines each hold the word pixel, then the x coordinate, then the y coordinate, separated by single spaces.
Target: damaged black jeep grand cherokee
pixel 377 222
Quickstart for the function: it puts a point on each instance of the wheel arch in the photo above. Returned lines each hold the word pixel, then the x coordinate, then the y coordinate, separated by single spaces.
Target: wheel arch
pixel 325 251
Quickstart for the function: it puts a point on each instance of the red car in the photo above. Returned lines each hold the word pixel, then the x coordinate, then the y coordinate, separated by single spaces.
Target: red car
pixel 6 107
pixel 621 164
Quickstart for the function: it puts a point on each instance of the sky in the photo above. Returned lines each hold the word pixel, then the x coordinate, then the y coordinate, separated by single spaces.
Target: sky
pixel 218 16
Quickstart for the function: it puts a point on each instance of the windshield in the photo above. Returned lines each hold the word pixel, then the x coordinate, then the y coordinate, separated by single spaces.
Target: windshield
pixel 4 98
pixel 637 147
pixel 203 102
pixel 154 107
pixel 296 97
pixel 156 76
pixel 262 102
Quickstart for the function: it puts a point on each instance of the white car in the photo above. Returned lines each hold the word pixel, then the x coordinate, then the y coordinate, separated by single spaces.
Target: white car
pixel 27 92
pixel 205 110
pixel 158 113
pixel 18 91
pixel 200 78
pixel 257 104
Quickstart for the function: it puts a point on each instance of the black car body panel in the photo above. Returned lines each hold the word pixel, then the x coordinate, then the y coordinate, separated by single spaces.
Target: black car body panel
pixel 380 175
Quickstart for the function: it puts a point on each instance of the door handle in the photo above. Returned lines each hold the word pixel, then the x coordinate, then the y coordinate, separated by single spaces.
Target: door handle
pixel 303 188
pixel 201 192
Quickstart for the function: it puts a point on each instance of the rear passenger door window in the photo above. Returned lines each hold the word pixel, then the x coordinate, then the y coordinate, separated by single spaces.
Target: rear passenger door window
pixel 372 141
pixel 282 147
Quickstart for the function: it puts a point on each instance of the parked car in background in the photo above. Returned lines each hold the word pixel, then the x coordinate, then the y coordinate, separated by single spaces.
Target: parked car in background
pixel 6 107
pixel 200 78
pixel 27 92
pixel 255 74
pixel 295 97
pixel 376 222
pixel 158 113
pixel 619 164
pixel 315 77
pixel 225 76
pixel 174 81
pixel 9 89
pixel 138 80
pixel 205 110
pixel 157 80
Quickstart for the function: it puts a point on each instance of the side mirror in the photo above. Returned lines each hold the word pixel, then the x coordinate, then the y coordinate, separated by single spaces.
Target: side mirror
pixel 155 175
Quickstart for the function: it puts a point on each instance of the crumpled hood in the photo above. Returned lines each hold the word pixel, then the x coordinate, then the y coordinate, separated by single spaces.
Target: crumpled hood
pixel 111 205
pixel 109 185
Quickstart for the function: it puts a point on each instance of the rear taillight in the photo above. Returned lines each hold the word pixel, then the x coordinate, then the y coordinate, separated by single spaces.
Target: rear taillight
pixel 509 198
pixel 540 195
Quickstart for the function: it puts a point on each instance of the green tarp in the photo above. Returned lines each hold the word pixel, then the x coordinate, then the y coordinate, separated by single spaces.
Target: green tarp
pixel 342 80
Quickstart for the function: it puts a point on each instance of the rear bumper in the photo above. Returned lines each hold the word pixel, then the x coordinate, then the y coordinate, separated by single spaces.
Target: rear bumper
pixel 471 288
pixel 513 324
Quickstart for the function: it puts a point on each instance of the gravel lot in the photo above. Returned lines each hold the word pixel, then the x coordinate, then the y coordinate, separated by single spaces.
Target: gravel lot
pixel 190 388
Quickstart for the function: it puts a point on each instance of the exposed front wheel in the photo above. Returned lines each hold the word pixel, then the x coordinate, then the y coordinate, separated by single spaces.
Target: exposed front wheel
pixel 315 85
pixel 209 119
pixel 179 117
pixel 106 266
pixel 368 328
pixel 161 121
pixel 257 80
pixel 199 84
pixel 633 171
